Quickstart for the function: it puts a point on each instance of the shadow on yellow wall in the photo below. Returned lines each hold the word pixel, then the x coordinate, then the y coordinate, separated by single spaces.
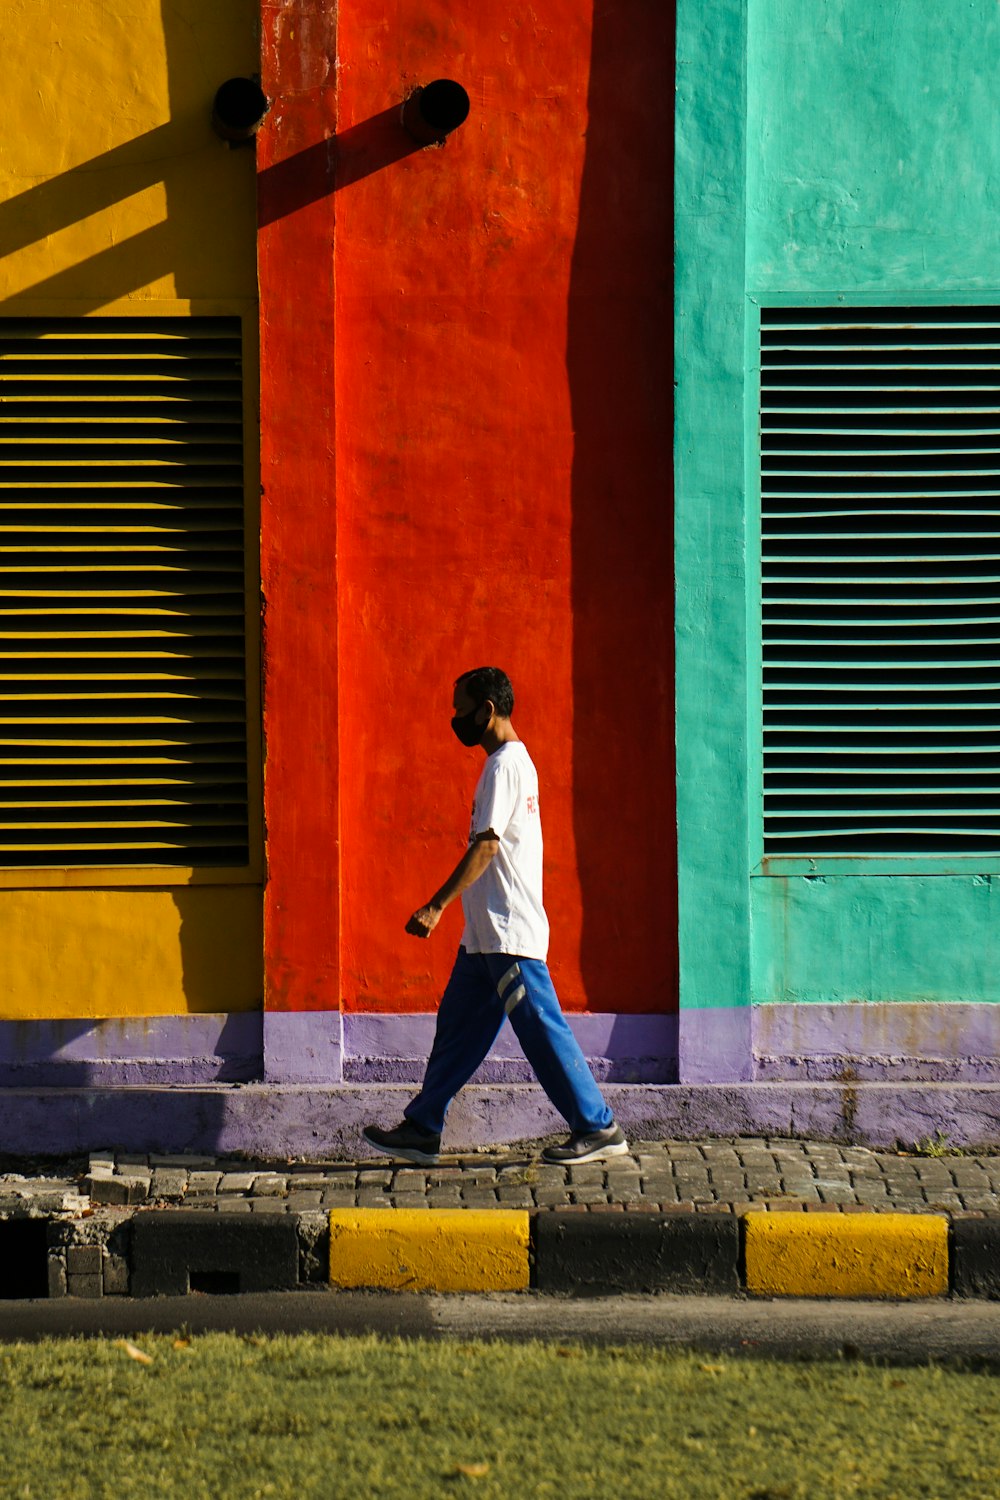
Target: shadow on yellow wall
pixel 164 208
pixel 116 196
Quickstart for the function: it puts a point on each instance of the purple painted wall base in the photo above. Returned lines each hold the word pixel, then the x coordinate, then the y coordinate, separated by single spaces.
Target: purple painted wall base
pixel 273 1120
pixel 715 1044
pixel 209 1048
pixel 619 1049
pixel 305 1084
pixel 898 1041
pixel 301 1047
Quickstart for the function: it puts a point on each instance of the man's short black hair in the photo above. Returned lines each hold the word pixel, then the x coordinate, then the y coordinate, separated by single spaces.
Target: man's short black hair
pixel 488 682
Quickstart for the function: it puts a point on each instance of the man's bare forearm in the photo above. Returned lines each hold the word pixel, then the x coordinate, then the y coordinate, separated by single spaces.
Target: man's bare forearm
pixel 474 861
pixel 468 870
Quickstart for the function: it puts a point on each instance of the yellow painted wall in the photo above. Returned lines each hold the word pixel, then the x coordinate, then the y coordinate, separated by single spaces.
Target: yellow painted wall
pixel 113 186
pixel 92 954
pixel 117 197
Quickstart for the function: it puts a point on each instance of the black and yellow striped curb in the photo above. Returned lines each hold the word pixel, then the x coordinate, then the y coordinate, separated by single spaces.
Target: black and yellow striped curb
pixel 884 1255
pixel 162 1252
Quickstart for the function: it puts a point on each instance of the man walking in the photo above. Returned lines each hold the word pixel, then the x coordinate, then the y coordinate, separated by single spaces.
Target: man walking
pixel 500 970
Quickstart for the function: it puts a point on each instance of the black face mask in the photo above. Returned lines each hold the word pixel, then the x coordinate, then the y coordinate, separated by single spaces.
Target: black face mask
pixel 468 731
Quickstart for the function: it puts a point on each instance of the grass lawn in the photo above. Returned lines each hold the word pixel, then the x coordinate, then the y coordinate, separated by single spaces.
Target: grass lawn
pixel 226 1416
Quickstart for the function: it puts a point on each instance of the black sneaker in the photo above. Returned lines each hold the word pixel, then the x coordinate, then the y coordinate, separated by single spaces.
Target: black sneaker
pixel 407 1141
pixel 587 1145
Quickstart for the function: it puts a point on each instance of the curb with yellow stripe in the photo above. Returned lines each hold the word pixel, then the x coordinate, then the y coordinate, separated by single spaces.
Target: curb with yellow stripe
pixel 887 1255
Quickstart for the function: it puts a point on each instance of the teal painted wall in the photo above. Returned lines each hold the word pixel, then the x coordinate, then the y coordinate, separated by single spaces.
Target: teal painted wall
pixel 873 170
pixel 838 939
pixel 873 153
pixel 829 151
pixel 710 218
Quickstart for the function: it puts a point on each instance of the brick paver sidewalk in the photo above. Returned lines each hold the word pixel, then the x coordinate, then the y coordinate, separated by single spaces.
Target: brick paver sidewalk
pixel 720 1176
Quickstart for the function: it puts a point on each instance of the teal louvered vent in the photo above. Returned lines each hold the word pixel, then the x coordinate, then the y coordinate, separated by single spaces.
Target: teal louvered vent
pixel 122 616
pixel 880 536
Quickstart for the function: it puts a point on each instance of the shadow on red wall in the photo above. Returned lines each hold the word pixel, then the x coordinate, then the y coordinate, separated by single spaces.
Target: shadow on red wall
pixel 619 360
pixel 305 176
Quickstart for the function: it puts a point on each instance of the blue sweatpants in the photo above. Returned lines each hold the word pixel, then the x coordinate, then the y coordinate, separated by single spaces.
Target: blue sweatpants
pixel 483 990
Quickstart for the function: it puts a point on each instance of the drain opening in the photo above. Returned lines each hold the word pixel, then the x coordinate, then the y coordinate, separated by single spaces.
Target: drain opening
pixel 218 1283
pixel 23 1259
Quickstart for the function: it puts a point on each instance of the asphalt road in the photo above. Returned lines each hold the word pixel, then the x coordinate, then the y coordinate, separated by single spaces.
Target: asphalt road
pixel 905 1332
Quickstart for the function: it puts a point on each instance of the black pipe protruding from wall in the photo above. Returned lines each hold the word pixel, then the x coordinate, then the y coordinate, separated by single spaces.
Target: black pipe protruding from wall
pixel 431 113
pixel 238 109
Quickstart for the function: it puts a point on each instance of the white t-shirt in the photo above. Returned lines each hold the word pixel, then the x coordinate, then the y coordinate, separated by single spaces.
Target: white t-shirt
pixel 503 908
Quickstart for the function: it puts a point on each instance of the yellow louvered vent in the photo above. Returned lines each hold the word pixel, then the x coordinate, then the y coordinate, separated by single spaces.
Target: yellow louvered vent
pixel 123 733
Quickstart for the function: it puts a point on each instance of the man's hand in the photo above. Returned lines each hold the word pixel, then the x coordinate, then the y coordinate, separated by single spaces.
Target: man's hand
pixel 424 921
pixel 468 870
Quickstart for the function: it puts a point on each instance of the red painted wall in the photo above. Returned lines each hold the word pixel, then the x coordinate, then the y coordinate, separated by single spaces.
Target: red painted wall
pixel 298 507
pixel 500 491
